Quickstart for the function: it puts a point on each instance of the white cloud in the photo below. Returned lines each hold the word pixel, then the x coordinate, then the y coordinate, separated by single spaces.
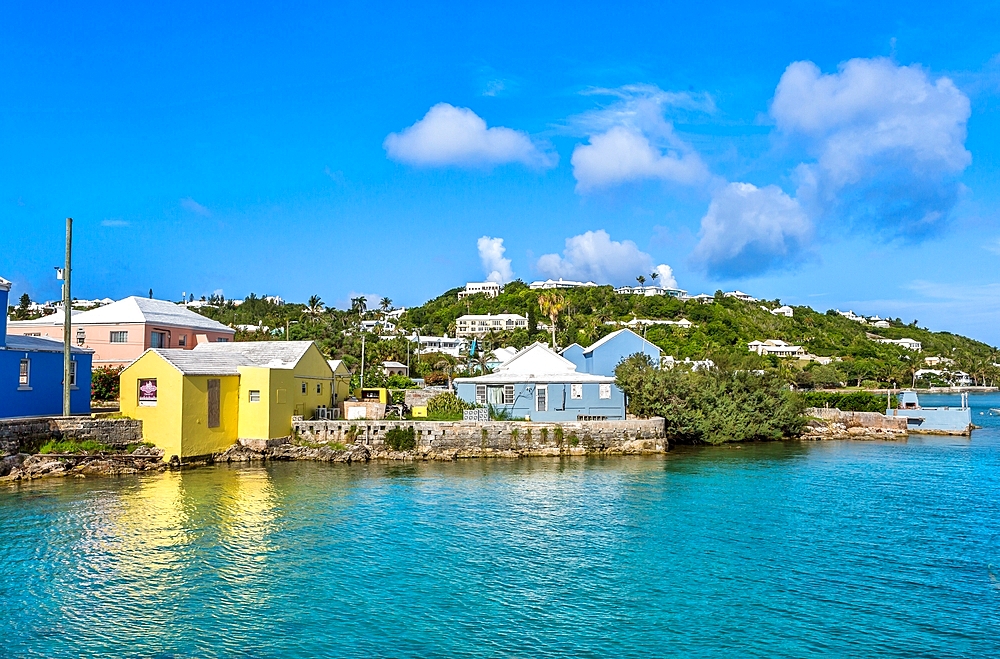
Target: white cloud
pixel 666 279
pixel 748 230
pixel 593 256
pixel 889 142
pixel 631 140
pixel 190 204
pixel 621 155
pixel 496 267
pixel 458 136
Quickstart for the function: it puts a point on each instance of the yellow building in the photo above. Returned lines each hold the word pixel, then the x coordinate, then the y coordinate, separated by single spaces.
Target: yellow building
pixel 197 402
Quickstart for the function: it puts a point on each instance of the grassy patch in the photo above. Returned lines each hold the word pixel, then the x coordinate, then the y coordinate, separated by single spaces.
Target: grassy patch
pixel 74 446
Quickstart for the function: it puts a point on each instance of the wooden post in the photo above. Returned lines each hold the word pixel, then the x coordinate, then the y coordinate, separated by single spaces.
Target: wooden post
pixel 67 317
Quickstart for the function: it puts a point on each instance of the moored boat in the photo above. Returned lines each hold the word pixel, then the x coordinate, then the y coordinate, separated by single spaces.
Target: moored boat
pixel 933 420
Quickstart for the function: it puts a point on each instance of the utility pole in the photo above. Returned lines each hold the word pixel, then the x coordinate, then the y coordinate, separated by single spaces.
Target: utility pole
pixel 67 316
pixel 362 359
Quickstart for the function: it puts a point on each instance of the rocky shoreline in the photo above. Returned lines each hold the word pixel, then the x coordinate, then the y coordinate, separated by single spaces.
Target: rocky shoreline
pixel 24 466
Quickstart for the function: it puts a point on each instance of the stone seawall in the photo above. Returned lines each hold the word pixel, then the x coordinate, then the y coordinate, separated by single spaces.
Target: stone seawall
pixel 16 434
pixel 522 437
pixel 831 423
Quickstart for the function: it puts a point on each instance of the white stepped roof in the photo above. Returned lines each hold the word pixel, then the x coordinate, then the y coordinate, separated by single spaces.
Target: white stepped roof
pixel 612 336
pixel 536 363
pixel 189 362
pixel 145 310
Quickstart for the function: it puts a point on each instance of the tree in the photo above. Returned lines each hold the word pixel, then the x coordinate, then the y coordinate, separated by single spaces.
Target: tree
pixel 641 279
pixel 552 305
pixel 359 305
pixel 314 307
pixel 653 276
pixel 385 305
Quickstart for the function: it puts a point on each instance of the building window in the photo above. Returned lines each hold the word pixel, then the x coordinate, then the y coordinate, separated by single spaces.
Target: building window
pixel 508 394
pixel 24 376
pixel 255 395
pixel 182 340
pixel 72 374
pixel 119 337
pixel 541 399
pixel 319 387
pixel 480 394
pixel 304 388
pixel 576 391
pixel 605 391
pixel 494 395
pixel 158 340
pixel 222 339
pixel 147 393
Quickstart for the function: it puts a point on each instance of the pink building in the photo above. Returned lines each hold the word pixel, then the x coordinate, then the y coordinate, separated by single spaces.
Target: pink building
pixel 120 332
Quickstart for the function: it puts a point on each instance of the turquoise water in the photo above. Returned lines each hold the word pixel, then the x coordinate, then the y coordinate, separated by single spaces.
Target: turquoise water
pixel 777 550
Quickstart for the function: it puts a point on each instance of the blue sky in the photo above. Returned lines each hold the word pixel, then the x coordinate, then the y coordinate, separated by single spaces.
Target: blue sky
pixel 841 155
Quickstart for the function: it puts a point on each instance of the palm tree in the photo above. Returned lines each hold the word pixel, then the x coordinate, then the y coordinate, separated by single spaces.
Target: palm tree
pixel 641 280
pixel 385 304
pixel 551 305
pixel 653 276
pixel 314 307
pixel 359 305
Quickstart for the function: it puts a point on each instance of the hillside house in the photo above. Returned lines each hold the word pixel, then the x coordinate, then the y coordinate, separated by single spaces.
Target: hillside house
pixel 540 385
pixel 481 324
pixel 120 332
pixel 603 356
pixel 776 347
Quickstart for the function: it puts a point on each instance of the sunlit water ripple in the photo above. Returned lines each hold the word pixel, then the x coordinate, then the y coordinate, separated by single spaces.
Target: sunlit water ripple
pixel 778 550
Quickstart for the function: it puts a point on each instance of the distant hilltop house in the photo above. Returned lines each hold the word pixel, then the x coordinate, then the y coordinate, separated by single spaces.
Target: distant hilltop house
pixel 909 344
pixel 603 356
pixel 550 284
pixel 201 401
pixel 487 288
pixel 540 385
pixel 935 361
pixel 777 348
pixel 120 332
pixel 448 345
pixel 704 298
pixel 481 324
pixel 850 315
pixel 740 295
pixel 785 310
pixel 683 323
pixel 375 326
pixel 391 368
pixel 31 372
pixel 650 291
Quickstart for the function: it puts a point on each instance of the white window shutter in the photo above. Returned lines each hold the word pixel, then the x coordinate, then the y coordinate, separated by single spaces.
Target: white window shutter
pixel 481 394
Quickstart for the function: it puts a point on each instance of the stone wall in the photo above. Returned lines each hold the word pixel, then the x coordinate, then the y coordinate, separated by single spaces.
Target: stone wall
pixel 18 433
pixel 525 438
pixel 837 424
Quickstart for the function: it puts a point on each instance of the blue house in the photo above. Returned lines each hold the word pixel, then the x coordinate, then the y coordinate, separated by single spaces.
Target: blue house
pixel 540 385
pixel 31 372
pixel 602 357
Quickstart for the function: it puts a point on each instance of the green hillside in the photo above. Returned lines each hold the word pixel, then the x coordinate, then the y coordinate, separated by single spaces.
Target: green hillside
pixel 721 331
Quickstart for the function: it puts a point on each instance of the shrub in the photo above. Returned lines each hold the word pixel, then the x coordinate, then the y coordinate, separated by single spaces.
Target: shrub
pixel 399 382
pixel 854 401
pixel 401 439
pixel 447 404
pixel 74 446
pixel 436 378
pixel 713 406
pixel 105 384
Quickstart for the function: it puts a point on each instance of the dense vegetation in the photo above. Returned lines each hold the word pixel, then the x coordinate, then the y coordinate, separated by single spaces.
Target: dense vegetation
pixel 721 332
pixel 711 406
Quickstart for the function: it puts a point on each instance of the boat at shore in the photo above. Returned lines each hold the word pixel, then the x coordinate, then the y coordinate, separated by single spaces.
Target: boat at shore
pixel 932 420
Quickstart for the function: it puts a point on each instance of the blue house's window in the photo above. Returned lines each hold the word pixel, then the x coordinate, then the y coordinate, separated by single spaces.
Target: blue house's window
pixel 605 391
pixel 541 398
pixel 576 391
pixel 24 375
pixel 72 374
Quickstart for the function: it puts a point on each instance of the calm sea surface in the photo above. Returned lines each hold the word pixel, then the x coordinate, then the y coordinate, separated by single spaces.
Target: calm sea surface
pixel 778 550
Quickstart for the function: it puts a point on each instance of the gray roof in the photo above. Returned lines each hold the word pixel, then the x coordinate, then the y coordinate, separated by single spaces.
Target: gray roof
pixel 189 362
pixel 145 310
pixel 273 354
pixel 38 344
